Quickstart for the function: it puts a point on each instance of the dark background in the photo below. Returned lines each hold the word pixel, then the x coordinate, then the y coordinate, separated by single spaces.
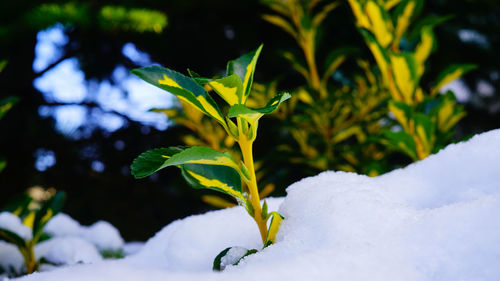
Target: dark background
pixel 196 37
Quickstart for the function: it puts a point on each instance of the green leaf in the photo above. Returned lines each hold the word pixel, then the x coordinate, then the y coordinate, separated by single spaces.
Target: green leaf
pixel 49 209
pixel 6 104
pixel 18 205
pixel 230 88
pixel 185 88
pixel 404 14
pixel 152 160
pixel 403 142
pixel 197 77
pixel 201 155
pixel 11 237
pixel 252 115
pixel 451 73
pixel 218 178
pixel 244 67
pixel 220 263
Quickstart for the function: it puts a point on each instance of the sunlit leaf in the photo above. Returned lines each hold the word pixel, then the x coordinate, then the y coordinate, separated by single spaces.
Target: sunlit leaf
pixel 424 48
pixel 230 88
pixel 381 24
pixel 362 19
pixel 185 88
pixel 220 178
pixel 274 226
pixel 405 72
pixel 244 67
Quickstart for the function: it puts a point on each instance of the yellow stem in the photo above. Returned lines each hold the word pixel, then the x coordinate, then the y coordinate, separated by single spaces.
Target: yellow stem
pixel 254 198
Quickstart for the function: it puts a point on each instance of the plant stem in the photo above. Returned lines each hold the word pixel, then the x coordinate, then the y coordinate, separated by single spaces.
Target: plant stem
pixel 254 198
pixel 29 258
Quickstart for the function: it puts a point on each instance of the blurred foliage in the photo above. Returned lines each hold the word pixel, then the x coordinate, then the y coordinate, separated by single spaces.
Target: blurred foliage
pixel 5 105
pixel 333 120
pixel 401 46
pixel 34 213
pixel 108 17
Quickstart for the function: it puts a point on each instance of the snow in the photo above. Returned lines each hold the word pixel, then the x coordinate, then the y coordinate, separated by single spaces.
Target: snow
pixel 14 224
pixel 104 236
pixel 67 251
pixel 11 260
pixel 101 234
pixel 433 220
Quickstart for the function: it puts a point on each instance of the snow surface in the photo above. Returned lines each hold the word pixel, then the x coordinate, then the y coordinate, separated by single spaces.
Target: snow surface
pixel 101 234
pixel 433 220
pixel 67 251
pixel 71 243
pixel 14 224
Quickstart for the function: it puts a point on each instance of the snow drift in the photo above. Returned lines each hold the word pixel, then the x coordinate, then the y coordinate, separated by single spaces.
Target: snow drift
pixel 433 220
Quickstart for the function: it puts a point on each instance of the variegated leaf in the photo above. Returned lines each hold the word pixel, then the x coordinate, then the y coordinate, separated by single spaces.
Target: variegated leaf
pixel 244 67
pixel 230 88
pixel 185 88
pixel 451 73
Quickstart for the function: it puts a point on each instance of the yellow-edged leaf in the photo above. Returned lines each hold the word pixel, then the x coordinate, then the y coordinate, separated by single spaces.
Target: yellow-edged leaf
pixel 424 48
pixel 230 88
pixel 404 15
pixel 358 10
pixel 381 24
pixel 404 70
pixel 282 23
pixel 451 73
pixel 274 226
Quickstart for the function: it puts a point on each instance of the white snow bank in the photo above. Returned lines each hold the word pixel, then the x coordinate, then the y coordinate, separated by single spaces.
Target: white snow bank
pixel 11 260
pixel 14 224
pixel 67 251
pixel 101 234
pixel 434 220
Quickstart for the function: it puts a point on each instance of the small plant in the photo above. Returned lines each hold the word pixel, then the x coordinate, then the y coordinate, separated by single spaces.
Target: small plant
pixel 205 167
pixel 34 215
